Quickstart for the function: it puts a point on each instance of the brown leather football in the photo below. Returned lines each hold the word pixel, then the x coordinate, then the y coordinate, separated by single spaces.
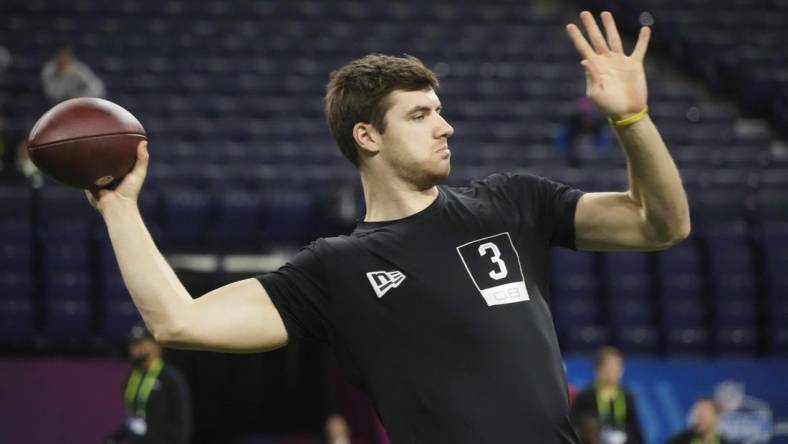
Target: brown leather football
pixel 86 143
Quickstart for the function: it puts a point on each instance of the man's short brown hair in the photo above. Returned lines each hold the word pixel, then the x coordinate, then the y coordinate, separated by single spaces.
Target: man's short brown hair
pixel 356 93
pixel 604 353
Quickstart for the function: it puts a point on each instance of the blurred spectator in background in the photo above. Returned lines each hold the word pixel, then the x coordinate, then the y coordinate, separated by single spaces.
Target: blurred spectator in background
pixel 609 402
pixel 588 429
pixel 65 77
pixel 704 418
pixel 156 396
pixel 338 431
pixel 25 166
pixel 584 135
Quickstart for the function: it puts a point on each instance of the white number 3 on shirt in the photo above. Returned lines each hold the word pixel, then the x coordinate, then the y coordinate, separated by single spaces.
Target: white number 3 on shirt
pixel 501 272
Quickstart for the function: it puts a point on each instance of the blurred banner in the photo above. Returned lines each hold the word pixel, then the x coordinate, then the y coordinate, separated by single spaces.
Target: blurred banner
pixel 79 400
pixel 753 394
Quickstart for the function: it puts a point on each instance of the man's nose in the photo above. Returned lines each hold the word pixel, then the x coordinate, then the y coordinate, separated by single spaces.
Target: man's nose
pixel 444 129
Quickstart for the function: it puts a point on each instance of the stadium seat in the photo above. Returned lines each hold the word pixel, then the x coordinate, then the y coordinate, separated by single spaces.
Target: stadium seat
pixel 68 312
pixel 687 341
pixel 16 319
pixel 587 339
pixel 637 339
pixel 736 341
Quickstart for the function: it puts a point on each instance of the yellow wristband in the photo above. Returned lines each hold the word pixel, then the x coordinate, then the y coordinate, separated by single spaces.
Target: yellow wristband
pixel 629 120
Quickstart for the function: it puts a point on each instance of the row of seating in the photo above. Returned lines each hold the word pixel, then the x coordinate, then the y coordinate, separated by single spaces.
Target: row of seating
pixel 738 50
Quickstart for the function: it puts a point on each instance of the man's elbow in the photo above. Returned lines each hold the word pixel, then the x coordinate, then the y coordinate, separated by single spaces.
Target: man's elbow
pixel 672 233
pixel 170 336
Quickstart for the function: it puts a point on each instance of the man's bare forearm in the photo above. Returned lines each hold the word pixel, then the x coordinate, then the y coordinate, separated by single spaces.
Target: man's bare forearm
pixel 654 181
pixel 157 292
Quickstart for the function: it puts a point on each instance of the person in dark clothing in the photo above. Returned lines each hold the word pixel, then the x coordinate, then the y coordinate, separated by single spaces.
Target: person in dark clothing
pixel 704 418
pixel 609 401
pixel 156 396
pixel 437 304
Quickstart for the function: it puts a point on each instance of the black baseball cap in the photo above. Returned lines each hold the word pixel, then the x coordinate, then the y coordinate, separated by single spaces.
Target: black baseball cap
pixel 139 332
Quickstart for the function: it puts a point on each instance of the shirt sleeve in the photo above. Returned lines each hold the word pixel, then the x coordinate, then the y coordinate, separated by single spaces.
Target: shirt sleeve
pixel 549 205
pixel 298 290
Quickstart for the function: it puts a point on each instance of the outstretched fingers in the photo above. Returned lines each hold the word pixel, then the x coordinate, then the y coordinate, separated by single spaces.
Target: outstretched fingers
pixel 642 44
pixel 594 34
pixel 613 39
pixel 579 41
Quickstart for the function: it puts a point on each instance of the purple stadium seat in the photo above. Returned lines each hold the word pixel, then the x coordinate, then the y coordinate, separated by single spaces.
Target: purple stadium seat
pixel 567 261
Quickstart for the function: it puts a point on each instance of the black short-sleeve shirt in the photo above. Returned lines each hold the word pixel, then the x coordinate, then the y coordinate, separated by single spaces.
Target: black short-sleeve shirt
pixel 442 316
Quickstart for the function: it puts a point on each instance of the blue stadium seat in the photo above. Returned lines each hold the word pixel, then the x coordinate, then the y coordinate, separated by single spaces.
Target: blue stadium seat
pixel 16 284
pixel 571 262
pixel 186 215
pixel 632 310
pixel 69 256
pixel 637 339
pixel 683 311
pixel 16 255
pixel 119 316
pixel 16 319
pixel 67 309
pixel 687 341
pixel 575 286
pixel 587 339
pixel 629 263
pixel 673 287
pixel 735 312
pixel 628 286
pixel 286 215
pixel 576 311
pixel 735 341
pixel 238 214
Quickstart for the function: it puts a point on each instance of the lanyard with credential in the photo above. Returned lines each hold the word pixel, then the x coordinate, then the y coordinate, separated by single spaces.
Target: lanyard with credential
pixel 139 387
pixel 619 408
pixel 714 440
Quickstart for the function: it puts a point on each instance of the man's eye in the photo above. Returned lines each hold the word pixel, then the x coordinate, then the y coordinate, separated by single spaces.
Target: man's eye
pixel 418 117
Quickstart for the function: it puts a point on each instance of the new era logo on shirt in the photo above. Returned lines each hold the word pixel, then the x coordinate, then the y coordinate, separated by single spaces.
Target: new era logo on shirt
pixel 383 281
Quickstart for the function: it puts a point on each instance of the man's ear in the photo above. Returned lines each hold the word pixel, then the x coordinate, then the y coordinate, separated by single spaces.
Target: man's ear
pixel 367 138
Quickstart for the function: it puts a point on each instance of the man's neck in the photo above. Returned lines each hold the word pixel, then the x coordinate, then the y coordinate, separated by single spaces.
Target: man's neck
pixel 607 390
pixel 708 436
pixel 148 363
pixel 394 199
